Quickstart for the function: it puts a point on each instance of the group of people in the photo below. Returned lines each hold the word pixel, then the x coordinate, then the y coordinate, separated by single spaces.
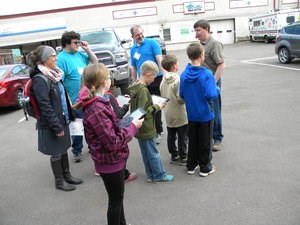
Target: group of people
pixel 193 114
pixel 80 88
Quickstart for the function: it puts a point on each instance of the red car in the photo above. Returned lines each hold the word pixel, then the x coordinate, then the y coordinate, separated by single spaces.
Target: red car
pixel 13 78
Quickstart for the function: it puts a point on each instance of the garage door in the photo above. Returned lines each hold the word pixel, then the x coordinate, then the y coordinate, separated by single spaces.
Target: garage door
pixel 183 31
pixel 223 31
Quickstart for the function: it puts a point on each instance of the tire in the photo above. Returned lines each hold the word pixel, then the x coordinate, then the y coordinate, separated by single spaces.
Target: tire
pixel 124 88
pixel 19 99
pixel 251 39
pixel 266 40
pixel 284 56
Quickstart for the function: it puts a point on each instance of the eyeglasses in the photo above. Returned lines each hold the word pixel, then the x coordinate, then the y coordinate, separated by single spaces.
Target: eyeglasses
pixel 139 34
pixel 76 42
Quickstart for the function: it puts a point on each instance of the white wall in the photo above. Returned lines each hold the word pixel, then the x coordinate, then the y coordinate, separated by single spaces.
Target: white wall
pixel 168 16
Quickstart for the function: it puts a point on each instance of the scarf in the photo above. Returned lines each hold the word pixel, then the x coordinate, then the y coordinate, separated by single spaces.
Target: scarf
pixel 54 75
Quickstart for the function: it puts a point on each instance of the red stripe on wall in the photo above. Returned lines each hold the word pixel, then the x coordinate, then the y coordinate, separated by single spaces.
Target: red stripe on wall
pixel 73 9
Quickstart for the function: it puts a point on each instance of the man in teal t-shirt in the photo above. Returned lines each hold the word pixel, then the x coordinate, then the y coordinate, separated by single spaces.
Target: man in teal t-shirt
pixel 72 62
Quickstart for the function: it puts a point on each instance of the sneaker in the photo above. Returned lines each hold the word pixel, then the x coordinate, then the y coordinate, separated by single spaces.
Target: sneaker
pixel 182 162
pixel 202 174
pixel 167 178
pixel 191 172
pixel 217 146
pixel 174 160
pixel 158 139
pixel 132 176
pixel 150 180
pixel 161 133
pixel 77 157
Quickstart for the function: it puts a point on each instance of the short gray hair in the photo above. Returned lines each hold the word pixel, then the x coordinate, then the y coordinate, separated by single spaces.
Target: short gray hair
pixel 149 67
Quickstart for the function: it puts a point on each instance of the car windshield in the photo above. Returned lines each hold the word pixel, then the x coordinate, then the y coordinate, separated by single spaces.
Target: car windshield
pixel 2 72
pixel 99 37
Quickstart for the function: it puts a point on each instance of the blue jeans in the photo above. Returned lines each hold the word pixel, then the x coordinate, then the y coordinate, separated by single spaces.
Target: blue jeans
pixel 77 144
pixel 152 162
pixel 217 130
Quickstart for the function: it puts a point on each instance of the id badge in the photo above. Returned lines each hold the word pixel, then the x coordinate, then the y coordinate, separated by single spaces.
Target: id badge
pixel 137 55
pixel 80 70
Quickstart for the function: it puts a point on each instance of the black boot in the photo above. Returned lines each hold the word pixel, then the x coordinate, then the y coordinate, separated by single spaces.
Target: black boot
pixel 66 171
pixel 59 179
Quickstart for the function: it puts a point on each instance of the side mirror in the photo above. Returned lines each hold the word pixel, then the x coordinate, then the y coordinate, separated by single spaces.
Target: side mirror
pixel 58 49
pixel 124 41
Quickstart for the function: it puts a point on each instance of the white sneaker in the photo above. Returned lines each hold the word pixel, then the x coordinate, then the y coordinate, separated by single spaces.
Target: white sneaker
pixel 149 180
pixel 202 174
pixel 191 172
pixel 158 139
pixel 217 146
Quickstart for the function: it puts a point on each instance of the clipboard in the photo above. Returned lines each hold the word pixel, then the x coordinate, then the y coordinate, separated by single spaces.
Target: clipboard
pixel 137 114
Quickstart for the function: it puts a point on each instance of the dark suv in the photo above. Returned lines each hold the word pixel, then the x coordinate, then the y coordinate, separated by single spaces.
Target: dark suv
pixel 288 43
pixel 108 48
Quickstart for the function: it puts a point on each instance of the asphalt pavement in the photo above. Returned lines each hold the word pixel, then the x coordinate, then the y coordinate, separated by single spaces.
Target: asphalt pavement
pixel 257 178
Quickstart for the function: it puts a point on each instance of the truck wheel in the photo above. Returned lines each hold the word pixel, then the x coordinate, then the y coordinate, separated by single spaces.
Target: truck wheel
pixel 284 56
pixel 251 39
pixel 266 40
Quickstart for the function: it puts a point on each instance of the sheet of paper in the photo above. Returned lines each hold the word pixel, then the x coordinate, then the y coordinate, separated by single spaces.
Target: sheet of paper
pixel 158 99
pixel 122 100
pixel 76 127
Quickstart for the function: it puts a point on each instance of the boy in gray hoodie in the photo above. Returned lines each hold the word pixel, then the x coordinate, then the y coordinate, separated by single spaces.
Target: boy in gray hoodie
pixel 175 112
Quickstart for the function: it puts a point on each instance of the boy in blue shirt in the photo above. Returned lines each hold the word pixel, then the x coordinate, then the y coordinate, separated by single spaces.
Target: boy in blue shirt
pixel 198 88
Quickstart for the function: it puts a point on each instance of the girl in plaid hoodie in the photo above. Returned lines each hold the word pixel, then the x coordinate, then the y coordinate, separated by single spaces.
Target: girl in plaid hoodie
pixel 106 140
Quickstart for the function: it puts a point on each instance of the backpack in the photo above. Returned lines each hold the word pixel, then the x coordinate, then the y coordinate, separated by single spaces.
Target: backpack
pixel 29 104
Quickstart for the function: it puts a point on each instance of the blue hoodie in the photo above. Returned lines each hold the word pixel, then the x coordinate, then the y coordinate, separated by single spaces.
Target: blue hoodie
pixel 197 88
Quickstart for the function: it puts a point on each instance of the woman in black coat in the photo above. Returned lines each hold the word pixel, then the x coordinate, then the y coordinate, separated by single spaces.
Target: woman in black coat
pixel 55 114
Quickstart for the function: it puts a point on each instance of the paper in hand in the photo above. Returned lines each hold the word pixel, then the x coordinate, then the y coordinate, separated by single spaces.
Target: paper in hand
pixel 158 99
pixel 122 100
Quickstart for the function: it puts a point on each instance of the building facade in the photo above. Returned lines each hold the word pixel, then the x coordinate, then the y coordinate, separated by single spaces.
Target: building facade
pixel 26 28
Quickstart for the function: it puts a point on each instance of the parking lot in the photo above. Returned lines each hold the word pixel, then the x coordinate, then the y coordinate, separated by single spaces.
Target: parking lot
pixel 257 181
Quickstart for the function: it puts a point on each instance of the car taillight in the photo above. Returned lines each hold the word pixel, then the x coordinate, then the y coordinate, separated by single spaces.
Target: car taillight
pixel 3 87
pixel 3 84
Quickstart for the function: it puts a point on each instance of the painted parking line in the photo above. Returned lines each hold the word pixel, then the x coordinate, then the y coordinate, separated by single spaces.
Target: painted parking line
pixel 254 61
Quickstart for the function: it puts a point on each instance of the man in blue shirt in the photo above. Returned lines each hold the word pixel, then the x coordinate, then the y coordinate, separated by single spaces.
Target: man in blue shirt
pixel 147 49
pixel 72 62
